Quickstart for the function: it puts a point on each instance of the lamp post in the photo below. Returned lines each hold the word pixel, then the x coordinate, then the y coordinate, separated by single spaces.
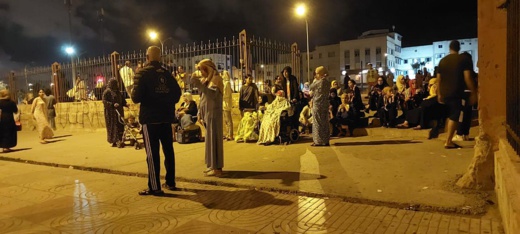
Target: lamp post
pixel 301 11
pixel 154 35
pixel 70 51
pixel 386 62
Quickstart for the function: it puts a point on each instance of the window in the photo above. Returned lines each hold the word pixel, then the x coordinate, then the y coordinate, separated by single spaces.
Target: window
pixel 378 50
pixel 429 59
pixel 347 67
pixel 347 54
pixel 332 54
pixel 367 52
pixel 356 56
pixel 406 61
pixel 416 51
pixel 398 48
pixel 378 64
pixel 440 46
pixel 392 51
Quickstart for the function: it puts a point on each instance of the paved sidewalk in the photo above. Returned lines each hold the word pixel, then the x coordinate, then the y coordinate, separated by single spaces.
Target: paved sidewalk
pixel 42 199
pixel 392 167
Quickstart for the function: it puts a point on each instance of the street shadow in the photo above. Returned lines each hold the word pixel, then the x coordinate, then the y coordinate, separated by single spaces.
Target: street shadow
pixel 53 141
pixel 16 150
pixel 287 177
pixel 62 136
pixel 230 200
pixel 386 142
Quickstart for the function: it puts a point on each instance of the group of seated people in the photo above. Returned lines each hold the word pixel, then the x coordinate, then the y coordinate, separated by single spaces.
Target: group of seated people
pixel 420 110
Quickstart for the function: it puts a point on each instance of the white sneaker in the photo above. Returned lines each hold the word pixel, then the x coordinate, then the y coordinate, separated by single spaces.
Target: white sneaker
pixel 458 138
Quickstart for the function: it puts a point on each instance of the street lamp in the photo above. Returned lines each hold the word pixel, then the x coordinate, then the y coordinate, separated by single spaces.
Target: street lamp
pixel 153 35
pixel 301 11
pixel 70 51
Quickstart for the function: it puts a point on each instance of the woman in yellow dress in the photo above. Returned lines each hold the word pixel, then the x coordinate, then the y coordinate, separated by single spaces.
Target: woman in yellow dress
pixel 39 111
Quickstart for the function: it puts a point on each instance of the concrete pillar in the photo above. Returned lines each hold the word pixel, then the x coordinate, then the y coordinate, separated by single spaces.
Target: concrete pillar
pixel 12 86
pixel 245 54
pixel 57 80
pixel 492 102
pixel 296 62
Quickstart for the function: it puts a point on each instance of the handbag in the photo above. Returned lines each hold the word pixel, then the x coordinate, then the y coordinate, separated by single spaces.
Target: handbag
pixel 18 125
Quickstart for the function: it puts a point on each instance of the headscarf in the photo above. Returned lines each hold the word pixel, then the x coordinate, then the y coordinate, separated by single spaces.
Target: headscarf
pixel 4 94
pixel 433 88
pixel 411 85
pixel 333 83
pixel 113 85
pixel 322 71
pixel 188 96
pixel 213 79
pixel 400 86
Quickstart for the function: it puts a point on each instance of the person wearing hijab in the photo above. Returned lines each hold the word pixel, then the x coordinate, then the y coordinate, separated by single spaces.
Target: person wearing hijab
pixel 248 96
pixel 113 101
pixel 227 105
pixel 209 82
pixel 39 111
pixel 320 88
pixel 8 131
pixel 270 126
pixel 430 109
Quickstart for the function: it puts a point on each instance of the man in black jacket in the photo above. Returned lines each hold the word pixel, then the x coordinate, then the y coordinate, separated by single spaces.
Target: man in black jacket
pixel 158 92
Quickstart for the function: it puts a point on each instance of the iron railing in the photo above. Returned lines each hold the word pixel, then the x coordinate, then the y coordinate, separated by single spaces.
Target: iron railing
pixel 264 59
pixel 513 73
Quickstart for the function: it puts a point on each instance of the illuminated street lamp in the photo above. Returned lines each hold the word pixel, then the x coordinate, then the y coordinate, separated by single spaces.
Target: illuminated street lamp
pixel 154 35
pixel 301 11
pixel 71 51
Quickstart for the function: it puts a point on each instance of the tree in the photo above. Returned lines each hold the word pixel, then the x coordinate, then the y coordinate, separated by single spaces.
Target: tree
pixel 416 66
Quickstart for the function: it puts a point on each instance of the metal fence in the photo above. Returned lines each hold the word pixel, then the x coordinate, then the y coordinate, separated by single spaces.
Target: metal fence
pixel 85 79
pixel 513 73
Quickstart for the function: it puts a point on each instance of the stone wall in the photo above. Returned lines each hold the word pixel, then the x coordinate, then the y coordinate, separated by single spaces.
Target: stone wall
pixel 89 115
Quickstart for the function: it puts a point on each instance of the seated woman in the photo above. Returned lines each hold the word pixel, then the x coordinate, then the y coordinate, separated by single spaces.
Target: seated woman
pixel 346 116
pixel 306 118
pixel 430 109
pixel 246 128
pixel 375 92
pixel 188 108
pixel 357 101
pixel 270 126
pixel 388 108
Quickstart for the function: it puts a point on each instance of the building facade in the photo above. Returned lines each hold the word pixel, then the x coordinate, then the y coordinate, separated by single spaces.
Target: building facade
pixel 383 49
pixel 429 56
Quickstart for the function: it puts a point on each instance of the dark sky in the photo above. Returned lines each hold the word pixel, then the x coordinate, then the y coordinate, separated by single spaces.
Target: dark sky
pixel 34 32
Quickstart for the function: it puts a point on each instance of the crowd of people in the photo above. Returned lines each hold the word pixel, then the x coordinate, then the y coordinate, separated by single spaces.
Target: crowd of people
pixel 322 108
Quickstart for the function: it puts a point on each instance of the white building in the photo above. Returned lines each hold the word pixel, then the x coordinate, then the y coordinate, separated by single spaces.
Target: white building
pixel 383 49
pixel 429 56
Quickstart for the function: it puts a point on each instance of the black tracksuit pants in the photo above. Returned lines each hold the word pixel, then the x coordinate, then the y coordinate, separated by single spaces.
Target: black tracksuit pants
pixel 153 134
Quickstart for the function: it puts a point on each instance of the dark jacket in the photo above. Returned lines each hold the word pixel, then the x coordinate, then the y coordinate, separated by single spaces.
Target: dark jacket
pixel 158 92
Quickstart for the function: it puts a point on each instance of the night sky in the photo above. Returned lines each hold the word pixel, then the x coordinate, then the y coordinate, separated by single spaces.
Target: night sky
pixel 34 32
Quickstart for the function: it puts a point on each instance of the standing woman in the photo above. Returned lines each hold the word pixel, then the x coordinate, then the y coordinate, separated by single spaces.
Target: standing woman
pixel 212 88
pixel 228 105
pixel 320 88
pixel 8 137
pixel 39 111
pixel 113 100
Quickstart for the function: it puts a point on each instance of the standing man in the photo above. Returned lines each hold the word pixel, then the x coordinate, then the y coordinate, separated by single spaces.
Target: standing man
pixel 372 76
pixel 454 76
pixel 293 91
pixel 248 96
pixel 157 91
pixel 127 75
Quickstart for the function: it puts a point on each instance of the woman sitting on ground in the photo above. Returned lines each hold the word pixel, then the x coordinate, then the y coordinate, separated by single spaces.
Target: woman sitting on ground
pixel 388 108
pixel 346 116
pixel 430 109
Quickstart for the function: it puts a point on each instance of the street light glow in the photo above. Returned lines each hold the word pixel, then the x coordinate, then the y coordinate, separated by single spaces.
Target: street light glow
pixel 69 50
pixel 301 10
pixel 153 35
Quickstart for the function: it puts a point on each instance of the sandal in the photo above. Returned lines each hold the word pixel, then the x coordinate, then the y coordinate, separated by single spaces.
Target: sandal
pixel 216 173
pixel 207 170
pixel 148 192
pixel 454 146
pixel 6 150
pixel 169 187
